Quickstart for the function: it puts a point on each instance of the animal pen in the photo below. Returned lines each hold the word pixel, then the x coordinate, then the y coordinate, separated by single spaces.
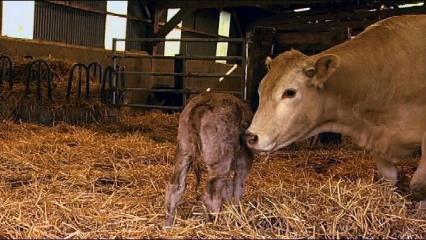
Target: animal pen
pixel 88 135
pixel 180 74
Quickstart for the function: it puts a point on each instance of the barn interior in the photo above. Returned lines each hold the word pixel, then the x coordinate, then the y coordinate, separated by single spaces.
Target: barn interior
pixel 90 98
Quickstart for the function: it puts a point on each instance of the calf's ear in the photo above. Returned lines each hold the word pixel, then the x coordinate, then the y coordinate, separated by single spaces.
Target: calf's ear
pixel 321 69
pixel 268 61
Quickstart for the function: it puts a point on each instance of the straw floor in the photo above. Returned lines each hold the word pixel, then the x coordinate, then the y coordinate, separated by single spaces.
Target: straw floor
pixel 95 181
pixel 74 110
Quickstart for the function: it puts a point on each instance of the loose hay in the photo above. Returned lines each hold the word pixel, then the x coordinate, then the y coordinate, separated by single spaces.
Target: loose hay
pixel 15 106
pixel 108 181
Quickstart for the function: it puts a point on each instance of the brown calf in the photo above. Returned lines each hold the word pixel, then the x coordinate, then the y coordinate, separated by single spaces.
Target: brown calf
pixel 211 127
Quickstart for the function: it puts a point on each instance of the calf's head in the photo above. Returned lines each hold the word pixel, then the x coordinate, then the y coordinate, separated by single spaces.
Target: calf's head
pixel 291 99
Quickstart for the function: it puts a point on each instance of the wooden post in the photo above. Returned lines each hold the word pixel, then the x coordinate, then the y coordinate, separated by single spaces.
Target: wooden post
pixel 260 46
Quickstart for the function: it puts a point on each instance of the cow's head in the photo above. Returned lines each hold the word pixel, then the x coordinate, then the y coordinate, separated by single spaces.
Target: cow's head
pixel 291 99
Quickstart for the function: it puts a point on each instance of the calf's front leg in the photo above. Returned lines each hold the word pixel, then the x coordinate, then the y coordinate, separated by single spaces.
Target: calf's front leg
pixel 242 168
pixel 177 184
pixel 217 190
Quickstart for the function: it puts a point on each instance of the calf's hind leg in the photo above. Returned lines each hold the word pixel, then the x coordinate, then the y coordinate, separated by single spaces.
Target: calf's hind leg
pixel 418 182
pixel 177 184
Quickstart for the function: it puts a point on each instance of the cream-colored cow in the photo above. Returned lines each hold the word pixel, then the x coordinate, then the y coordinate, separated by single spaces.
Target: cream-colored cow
pixel 372 88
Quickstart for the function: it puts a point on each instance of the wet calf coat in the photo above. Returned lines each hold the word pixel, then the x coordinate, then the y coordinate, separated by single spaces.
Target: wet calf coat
pixel 211 128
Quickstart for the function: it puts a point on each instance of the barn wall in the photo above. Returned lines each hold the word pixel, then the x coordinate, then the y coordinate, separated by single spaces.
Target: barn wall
pixel 205 21
pixel 59 23
pixel 83 23
pixel 137 28
pixel 38 48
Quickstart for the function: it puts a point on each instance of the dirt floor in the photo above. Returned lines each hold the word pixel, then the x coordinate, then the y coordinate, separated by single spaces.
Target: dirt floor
pixel 108 181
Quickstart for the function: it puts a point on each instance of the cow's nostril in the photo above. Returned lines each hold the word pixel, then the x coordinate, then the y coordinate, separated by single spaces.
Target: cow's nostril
pixel 251 138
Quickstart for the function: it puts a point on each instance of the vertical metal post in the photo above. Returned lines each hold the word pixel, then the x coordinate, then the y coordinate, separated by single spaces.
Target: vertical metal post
pixel 184 79
pixel 40 77
pixel 244 53
pixel 3 76
pixel 114 71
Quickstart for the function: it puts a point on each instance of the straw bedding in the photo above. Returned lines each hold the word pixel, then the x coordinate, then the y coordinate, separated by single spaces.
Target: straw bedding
pixel 108 180
pixel 74 110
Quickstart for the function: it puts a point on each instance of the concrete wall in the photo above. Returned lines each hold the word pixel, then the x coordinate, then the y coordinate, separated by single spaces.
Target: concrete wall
pixel 37 48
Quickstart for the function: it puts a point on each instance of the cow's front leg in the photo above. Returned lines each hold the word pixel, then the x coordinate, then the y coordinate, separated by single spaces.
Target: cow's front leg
pixel 387 171
pixel 418 182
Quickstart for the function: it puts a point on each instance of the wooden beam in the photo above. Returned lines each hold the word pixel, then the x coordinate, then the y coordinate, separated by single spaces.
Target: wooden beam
pixel 191 30
pixel 237 23
pixel 173 22
pixel 161 4
pixel 144 6
pixel 311 38
pixel 260 46
pixel 157 48
pixel 353 14
pixel 324 22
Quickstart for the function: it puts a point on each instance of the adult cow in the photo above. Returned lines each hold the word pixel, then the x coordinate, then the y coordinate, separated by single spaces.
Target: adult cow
pixel 372 88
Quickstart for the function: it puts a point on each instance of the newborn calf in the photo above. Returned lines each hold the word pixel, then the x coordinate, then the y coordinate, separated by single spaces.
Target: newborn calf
pixel 211 128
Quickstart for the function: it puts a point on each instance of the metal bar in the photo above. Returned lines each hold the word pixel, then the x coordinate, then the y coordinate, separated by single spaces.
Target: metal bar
pixel 193 57
pixel 37 73
pixel 150 106
pixel 154 90
pixel 229 92
pixel 232 40
pixel 114 73
pixel 158 74
pixel 107 77
pixel 244 54
pixel 97 67
pixel 177 91
pixel 80 67
pixel 184 78
pixel 166 74
pixel 6 72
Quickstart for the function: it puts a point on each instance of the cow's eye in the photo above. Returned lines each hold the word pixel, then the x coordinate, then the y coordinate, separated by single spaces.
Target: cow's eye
pixel 289 93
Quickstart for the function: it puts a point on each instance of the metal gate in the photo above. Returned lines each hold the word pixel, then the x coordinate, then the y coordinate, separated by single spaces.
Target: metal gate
pixel 180 74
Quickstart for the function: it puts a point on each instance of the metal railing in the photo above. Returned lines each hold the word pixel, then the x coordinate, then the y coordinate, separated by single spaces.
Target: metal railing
pixel 180 73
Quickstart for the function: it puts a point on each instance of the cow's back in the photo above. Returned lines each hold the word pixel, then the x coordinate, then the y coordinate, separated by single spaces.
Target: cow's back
pixel 384 63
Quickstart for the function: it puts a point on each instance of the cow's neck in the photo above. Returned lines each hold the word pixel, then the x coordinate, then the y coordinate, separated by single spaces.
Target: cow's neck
pixel 342 119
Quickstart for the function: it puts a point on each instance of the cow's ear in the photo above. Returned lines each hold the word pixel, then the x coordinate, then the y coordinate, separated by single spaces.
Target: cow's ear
pixel 268 62
pixel 322 69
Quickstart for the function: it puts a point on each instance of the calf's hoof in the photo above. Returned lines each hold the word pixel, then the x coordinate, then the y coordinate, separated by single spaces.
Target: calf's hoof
pixel 212 204
pixel 169 223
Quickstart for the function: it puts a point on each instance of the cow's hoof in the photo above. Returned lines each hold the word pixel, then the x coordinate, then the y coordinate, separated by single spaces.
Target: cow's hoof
pixel 418 192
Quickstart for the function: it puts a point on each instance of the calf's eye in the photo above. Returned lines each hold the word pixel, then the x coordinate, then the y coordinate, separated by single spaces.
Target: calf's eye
pixel 289 93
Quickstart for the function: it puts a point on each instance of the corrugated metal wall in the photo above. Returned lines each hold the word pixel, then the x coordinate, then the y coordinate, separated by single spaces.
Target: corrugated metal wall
pixel 59 23
pixel 136 28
